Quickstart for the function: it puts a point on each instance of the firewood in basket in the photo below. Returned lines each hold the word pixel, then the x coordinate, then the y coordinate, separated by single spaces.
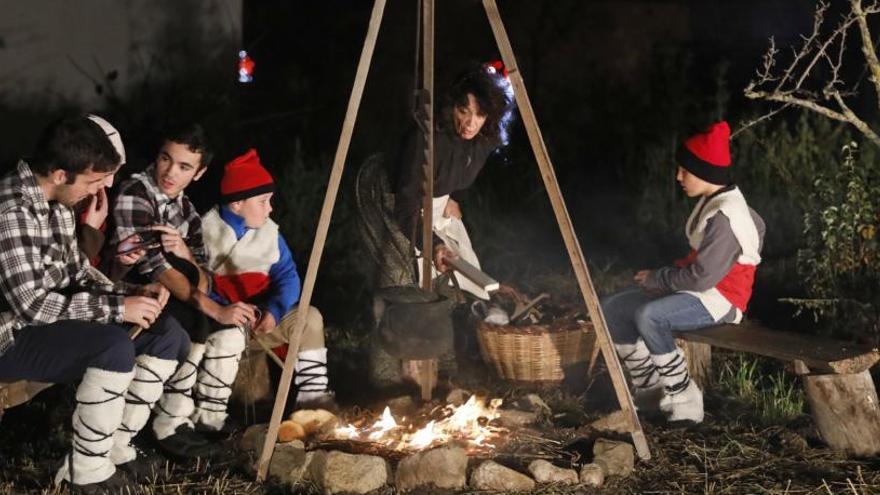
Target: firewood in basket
pixel 473 273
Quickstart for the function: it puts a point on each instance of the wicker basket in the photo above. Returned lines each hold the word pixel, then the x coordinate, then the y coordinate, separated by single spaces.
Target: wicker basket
pixel 535 353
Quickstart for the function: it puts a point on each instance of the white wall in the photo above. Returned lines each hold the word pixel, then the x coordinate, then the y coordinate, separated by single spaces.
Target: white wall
pixel 52 50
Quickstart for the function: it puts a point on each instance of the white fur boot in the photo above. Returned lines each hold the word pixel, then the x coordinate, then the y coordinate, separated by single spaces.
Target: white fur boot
pixel 311 378
pixel 176 404
pixel 684 399
pixel 214 383
pixel 100 401
pixel 647 389
pixel 150 375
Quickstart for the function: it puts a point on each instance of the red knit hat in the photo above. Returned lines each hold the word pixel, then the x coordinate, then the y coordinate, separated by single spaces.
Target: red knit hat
pixel 707 155
pixel 245 177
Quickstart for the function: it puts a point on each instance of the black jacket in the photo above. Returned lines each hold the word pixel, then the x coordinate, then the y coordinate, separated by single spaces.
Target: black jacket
pixel 457 163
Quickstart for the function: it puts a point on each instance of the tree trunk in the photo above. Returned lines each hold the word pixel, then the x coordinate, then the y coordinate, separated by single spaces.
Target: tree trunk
pixel 846 411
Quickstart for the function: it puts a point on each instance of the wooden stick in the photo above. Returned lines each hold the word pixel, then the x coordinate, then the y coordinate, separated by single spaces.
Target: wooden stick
pixel 321 236
pixel 428 165
pixel 427 369
pixel 578 262
pixel 134 331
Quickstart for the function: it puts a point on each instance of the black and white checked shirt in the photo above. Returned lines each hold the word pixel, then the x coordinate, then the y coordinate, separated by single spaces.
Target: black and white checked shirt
pixel 140 205
pixel 43 276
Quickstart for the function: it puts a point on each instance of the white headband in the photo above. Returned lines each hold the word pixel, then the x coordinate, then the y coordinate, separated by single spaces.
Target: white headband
pixel 112 134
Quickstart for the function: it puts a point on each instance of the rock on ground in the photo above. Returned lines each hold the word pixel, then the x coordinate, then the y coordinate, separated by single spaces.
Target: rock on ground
pixel 442 468
pixel 511 418
pixel 253 437
pixel 545 472
pixel 616 422
pixel 616 458
pixel 493 476
pixel 592 475
pixel 533 403
pixel 338 472
pixel 457 397
pixel 288 459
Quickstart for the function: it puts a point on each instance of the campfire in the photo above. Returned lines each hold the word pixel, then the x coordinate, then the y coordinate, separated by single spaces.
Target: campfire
pixel 469 425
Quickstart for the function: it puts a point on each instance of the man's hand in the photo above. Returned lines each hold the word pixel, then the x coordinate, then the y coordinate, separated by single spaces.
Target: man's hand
pixel 641 277
pixel 141 310
pixel 157 291
pixel 173 242
pixel 131 258
pixel 452 209
pixel 441 254
pixel 239 314
pixel 267 324
pixel 96 213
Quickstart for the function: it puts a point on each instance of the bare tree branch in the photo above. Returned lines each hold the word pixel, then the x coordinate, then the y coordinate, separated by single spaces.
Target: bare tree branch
pixel 868 43
pixel 797 83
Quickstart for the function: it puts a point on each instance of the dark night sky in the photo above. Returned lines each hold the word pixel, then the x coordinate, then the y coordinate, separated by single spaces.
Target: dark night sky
pixel 608 80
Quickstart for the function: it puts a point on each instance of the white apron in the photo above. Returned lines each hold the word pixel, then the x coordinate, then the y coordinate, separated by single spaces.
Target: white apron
pixel 454 234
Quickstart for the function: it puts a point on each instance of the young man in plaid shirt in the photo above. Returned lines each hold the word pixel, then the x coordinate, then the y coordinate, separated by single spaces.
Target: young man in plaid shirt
pixel 62 321
pixel 154 202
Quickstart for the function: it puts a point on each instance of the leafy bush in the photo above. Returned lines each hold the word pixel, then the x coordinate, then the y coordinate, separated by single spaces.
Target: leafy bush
pixel 840 262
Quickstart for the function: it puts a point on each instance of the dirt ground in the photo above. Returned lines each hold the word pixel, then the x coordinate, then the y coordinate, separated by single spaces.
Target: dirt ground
pixel 733 452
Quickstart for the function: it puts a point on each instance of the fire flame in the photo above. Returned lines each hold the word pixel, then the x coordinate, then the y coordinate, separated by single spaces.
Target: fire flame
pixel 469 422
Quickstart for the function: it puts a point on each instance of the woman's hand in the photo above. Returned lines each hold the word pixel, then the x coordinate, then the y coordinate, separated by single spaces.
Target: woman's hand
pixel 441 255
pixel 452 209
pixel 96 213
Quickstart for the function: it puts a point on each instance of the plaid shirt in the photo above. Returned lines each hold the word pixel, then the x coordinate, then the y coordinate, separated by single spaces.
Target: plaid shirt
pixel 43 276
pixel 140 205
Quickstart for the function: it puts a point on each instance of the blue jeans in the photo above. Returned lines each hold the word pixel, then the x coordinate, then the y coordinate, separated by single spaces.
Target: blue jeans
pixel 634 313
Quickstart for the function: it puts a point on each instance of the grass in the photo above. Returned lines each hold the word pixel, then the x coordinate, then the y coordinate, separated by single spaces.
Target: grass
pixel 774 396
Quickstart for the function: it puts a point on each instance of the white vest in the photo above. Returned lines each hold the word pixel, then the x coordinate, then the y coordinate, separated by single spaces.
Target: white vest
pixel 733 204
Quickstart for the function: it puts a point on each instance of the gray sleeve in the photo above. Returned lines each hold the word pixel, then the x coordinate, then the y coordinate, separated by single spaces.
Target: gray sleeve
pixel 715 256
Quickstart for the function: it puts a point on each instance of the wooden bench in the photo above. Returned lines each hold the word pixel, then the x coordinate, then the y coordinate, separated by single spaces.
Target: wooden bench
pixel 835 375
pixel 17 393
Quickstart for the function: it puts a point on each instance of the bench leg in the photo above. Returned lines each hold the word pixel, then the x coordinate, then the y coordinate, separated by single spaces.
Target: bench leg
pixel 846 411
pixel 699 358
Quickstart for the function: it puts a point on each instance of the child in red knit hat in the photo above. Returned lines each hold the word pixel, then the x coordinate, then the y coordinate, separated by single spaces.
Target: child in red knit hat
pixel 711 285
pixel 252 263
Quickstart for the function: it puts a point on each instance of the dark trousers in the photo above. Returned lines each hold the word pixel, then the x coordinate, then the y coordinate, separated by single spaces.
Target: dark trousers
pixel 62 351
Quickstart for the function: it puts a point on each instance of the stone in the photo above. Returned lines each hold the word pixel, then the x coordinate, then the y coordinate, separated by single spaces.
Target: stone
pixel 493 476
pixel 535 404
pixel 545 472
pixel 512 418
pixel 457 396
pixel 401 405
pixel 442 467
pixel 616 458
pixel 338 472
pixel 615 422
pixel 592 475
pixel 288 457
pixel 253 437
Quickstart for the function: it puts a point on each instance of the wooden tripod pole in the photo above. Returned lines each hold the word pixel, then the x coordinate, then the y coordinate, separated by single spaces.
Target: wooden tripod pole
pixel 428 163
pixel 321 236
pixel 564 220
pixel 426 370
